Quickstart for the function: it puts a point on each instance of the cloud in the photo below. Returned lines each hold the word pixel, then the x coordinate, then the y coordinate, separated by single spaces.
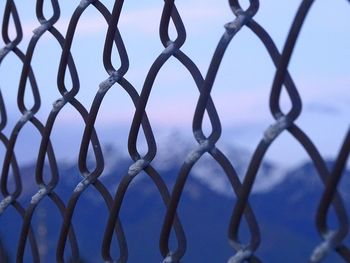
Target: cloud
pixel 241 106
pixel 323 108
pixel 145 21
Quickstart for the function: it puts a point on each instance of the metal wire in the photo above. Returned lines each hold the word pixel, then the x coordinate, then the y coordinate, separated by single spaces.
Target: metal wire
pixel 11 177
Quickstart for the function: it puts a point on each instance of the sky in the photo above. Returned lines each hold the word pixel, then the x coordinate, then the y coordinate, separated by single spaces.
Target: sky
pixel 319 67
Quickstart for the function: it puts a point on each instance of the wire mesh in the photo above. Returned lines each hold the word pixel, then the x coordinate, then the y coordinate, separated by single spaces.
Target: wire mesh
pixel 285 122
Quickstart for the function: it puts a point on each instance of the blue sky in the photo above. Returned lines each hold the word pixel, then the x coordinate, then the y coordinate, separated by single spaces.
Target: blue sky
pixel 319 68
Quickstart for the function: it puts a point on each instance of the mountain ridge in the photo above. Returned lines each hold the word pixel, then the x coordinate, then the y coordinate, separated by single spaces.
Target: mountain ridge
pixel 285 210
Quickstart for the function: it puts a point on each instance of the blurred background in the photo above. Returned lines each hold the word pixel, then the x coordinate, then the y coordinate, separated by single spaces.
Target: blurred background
pixel 287 190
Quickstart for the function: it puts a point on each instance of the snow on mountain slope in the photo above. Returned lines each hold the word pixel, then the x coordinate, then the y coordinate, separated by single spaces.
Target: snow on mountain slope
pixel 172 150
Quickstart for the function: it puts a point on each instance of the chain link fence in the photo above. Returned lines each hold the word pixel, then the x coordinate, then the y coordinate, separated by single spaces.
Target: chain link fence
pixel 332 238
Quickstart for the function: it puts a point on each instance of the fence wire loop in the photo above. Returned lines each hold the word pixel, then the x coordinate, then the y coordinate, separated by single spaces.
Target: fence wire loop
pixel 321 251
pixel 275 129
pixel 5 203
pixel 170 259
pixel 250 11
pixel 241 256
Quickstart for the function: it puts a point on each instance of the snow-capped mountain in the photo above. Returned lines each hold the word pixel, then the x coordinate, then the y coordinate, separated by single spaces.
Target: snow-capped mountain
pixel 284 201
